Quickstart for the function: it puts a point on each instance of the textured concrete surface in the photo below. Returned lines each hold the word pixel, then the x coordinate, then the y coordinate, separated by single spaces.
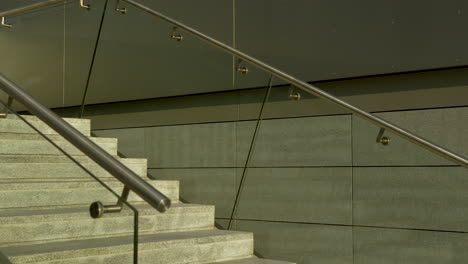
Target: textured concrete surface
pixel 301 243
pixel 282 142
pixel 11 143
pixel 294 142
pixel 176 247
pixel 26 167
pixel 314 195
pixel 59 193
pixel 253 261
pixel 74 222
pixel 389 246
pixel 14 124
pixel 419 197
pixel 44 210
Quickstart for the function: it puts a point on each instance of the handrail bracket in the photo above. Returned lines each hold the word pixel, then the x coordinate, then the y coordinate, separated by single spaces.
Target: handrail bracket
pixel 176 36
pixel 294 94
pixel 119 9
pixel 5 111
pixel 241 69
pixel 98 209
pixel 83 5
pixel 381 139
pixel 4 24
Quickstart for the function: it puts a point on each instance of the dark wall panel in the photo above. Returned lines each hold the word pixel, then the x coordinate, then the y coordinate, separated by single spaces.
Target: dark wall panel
pixel 445 127
pixel 311 141
pixel 432 198
pixel 309 195
pixel 445 88
pixel 301 243
pixel 389 246
pixel 214 186
pixel 322 39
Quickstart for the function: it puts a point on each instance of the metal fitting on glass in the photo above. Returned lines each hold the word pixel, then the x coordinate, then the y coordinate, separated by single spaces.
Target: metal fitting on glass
pixel 4 24
pixel 241 69
pixel 5 111
pixel 98 209
pixel 381 139
pixel 175 36
pixel 294 94
pixel 119 9
pixel 83 5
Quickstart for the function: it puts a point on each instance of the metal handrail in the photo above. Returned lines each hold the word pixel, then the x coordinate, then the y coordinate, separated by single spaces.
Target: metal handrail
pixel 310 88
pixel 22 9
pixel 88 147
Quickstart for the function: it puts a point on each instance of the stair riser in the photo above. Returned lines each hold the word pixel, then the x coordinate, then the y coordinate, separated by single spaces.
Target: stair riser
pixel 114 224
pixel 42 147
pixel 61 170
pixel 192 253
pixel 14 125
pixel 71 196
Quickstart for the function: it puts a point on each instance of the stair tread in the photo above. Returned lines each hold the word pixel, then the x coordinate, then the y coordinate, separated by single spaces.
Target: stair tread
pixel 120 244
pixel 46 218
pixel 253 260
pixel 26 193
pixel 54 137
pixel 52 158
pixel 13 124
pixel 34 118
pixel 33 215
pixel 6 186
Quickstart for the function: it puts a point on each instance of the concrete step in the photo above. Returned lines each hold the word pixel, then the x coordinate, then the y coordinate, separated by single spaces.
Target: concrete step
pixel 34 144
pixel 21 194
pixel 170 248
pixel 59 167
pixel 12 124
pixel 27 225
pixel 253 260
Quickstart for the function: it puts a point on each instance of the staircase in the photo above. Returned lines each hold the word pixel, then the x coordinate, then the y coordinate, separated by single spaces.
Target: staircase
pixel 44 201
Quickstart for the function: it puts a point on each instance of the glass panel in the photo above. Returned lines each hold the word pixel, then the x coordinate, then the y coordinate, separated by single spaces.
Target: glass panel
pixel 24 63
pixel 141 62
pixel 48 187
pixel 81 36
pixel 252 111
pixel 48 51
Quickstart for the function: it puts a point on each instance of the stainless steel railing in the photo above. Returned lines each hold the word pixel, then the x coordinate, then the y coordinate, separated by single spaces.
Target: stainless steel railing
pixel 447 154
pixel 33 6
pixel 310 88
pixel 131 181
pixel 30 7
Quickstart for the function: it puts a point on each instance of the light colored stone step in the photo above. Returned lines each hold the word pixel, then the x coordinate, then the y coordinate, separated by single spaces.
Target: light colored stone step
pixel 26 225
pixel 34 144
pixel 59 167
pixel 13 124
pixel 253 260
pixel 168 248
pixel 63 193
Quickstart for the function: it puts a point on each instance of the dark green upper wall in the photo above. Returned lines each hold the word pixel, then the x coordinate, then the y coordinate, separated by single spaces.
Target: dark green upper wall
pixel 48 52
